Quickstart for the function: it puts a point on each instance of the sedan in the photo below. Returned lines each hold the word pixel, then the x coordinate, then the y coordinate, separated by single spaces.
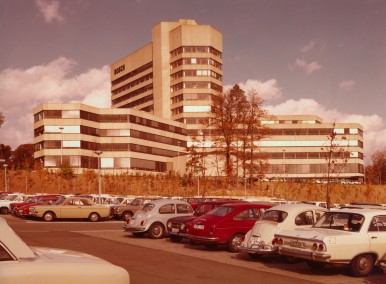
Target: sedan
pixel 71 208
pixel 226 224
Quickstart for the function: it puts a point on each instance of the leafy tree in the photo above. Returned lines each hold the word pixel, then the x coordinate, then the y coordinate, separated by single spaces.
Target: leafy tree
pixel 23 157
pixel 5 152
pixel 65 171
pixel 89 176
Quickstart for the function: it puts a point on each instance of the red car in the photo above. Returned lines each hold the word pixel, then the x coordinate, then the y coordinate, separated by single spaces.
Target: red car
pixel 14 207
pixel 23 211
pixel 177 226
pixel 226 224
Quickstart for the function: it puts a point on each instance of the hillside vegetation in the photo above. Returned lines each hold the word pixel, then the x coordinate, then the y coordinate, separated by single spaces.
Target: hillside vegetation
pixel 171 185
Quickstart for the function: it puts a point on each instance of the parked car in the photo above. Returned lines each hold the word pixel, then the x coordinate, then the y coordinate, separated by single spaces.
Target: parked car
pixel 317 203
pixel 177 226
pixel 23 211
pixel 259 240
pixel 126 210
pixel 9 199
pixel 20 263
pixel 153 216
pixel 227 224
pixel 71 207
pixel 356 237
pixel 14 207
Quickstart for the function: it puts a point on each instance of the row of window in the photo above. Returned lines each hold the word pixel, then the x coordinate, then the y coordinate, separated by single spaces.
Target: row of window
pixel 315 131
pixel 313 169
pixel 132 73
pixel 196 49
pixel 195 61
pixel 192 97
pixel 132 94
pixel 195 73
pixel 187 109
pixel 106 163
pixel 132 84
pixel 195 85
pixel 107 118
pixel 140 101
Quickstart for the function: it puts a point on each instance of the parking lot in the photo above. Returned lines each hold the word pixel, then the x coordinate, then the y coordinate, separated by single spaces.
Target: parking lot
pixel 162 261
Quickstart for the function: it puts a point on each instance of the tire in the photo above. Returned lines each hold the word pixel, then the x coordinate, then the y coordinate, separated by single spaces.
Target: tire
pixel 175 239
pixel 316 265
pixel 126 216
pixel 94 217
pixel 362 265
pixel 49 216
pixel 4 210
pixel 156 231
pixel 235 241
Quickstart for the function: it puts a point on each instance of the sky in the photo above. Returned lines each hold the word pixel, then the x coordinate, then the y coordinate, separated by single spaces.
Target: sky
pixel 321 57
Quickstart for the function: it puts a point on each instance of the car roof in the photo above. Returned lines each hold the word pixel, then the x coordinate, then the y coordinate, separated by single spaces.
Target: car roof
pixel 365 212
pixel 295 207
pixel 167 201
pixel 249 204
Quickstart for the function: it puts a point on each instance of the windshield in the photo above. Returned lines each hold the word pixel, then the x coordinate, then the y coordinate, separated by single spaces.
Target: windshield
pixel 341 221
pixel 221 211
pixel 275 216
pixel 60 201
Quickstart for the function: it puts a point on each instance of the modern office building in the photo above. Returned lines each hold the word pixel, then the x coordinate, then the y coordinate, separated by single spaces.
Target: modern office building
pixel 160 94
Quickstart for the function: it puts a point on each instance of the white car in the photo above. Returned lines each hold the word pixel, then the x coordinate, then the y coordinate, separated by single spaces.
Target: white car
pixel 258 241
pixel 153 217
pixel 356 237
pixel 9 199
pixel 20 263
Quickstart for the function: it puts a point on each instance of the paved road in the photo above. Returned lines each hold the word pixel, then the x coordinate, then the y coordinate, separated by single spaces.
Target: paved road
pixel 161 261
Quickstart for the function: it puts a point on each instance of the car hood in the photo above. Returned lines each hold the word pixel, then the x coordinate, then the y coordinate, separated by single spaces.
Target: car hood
pixel 64 256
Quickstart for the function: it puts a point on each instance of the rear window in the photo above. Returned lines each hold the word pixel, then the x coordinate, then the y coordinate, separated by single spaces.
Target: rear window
pixel 221 211
pixel 275 216
pixel 147 207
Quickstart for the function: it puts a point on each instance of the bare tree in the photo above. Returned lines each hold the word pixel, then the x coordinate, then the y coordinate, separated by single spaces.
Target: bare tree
pixel 378 159
pixel 336 153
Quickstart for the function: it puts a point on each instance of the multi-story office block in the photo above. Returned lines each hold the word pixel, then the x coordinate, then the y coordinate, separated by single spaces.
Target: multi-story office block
pixel 176 76
pixel 160 94
pixel 130 139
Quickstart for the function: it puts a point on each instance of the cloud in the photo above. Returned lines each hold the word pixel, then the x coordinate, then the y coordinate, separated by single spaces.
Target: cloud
pixel 23 89
pixel 347 85
pixel 50 10
pixel 309 68
pixel 266 90
pixel 373 125
pixel 309 46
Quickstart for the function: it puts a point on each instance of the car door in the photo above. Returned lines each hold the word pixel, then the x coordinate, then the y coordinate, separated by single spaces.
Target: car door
pixel 377 235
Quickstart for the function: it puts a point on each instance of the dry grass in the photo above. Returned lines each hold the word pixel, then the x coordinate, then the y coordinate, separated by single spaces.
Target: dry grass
pixel 124 184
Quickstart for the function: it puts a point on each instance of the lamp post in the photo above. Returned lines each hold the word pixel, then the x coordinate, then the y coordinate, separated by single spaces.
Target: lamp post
pixel 284 163
pixel 98 153
pixel 178 157
pixel 61 145
pixel 5 177
pixel 198 185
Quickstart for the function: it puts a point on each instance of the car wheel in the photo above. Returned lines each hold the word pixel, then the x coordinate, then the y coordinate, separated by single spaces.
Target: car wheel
pixel 126 216
pixel 362 265
pixel 156 231
pixel 175 239
pixel 3 210
pixel 48 216
pixel 234 242
pixel 316 265
pixel 94 217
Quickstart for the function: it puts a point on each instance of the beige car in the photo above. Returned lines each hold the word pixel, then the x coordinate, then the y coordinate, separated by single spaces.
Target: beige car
pixel 71 208
pixel 20 263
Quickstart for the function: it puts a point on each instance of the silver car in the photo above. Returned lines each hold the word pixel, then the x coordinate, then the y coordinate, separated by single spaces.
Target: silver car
pixel 152 217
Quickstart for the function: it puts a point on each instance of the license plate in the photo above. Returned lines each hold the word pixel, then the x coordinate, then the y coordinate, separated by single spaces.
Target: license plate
pixel 198 227
pixel 175 230
pixel 297 244
pixel 255 240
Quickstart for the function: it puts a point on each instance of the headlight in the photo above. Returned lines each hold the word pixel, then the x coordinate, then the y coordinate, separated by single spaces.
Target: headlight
pixel 182 226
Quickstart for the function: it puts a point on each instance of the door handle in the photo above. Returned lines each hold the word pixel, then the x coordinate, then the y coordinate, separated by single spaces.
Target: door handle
pixel 374 237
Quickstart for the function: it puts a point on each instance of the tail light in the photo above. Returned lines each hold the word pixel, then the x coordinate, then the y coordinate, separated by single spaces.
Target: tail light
pixel 319 246
pixel 277 241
